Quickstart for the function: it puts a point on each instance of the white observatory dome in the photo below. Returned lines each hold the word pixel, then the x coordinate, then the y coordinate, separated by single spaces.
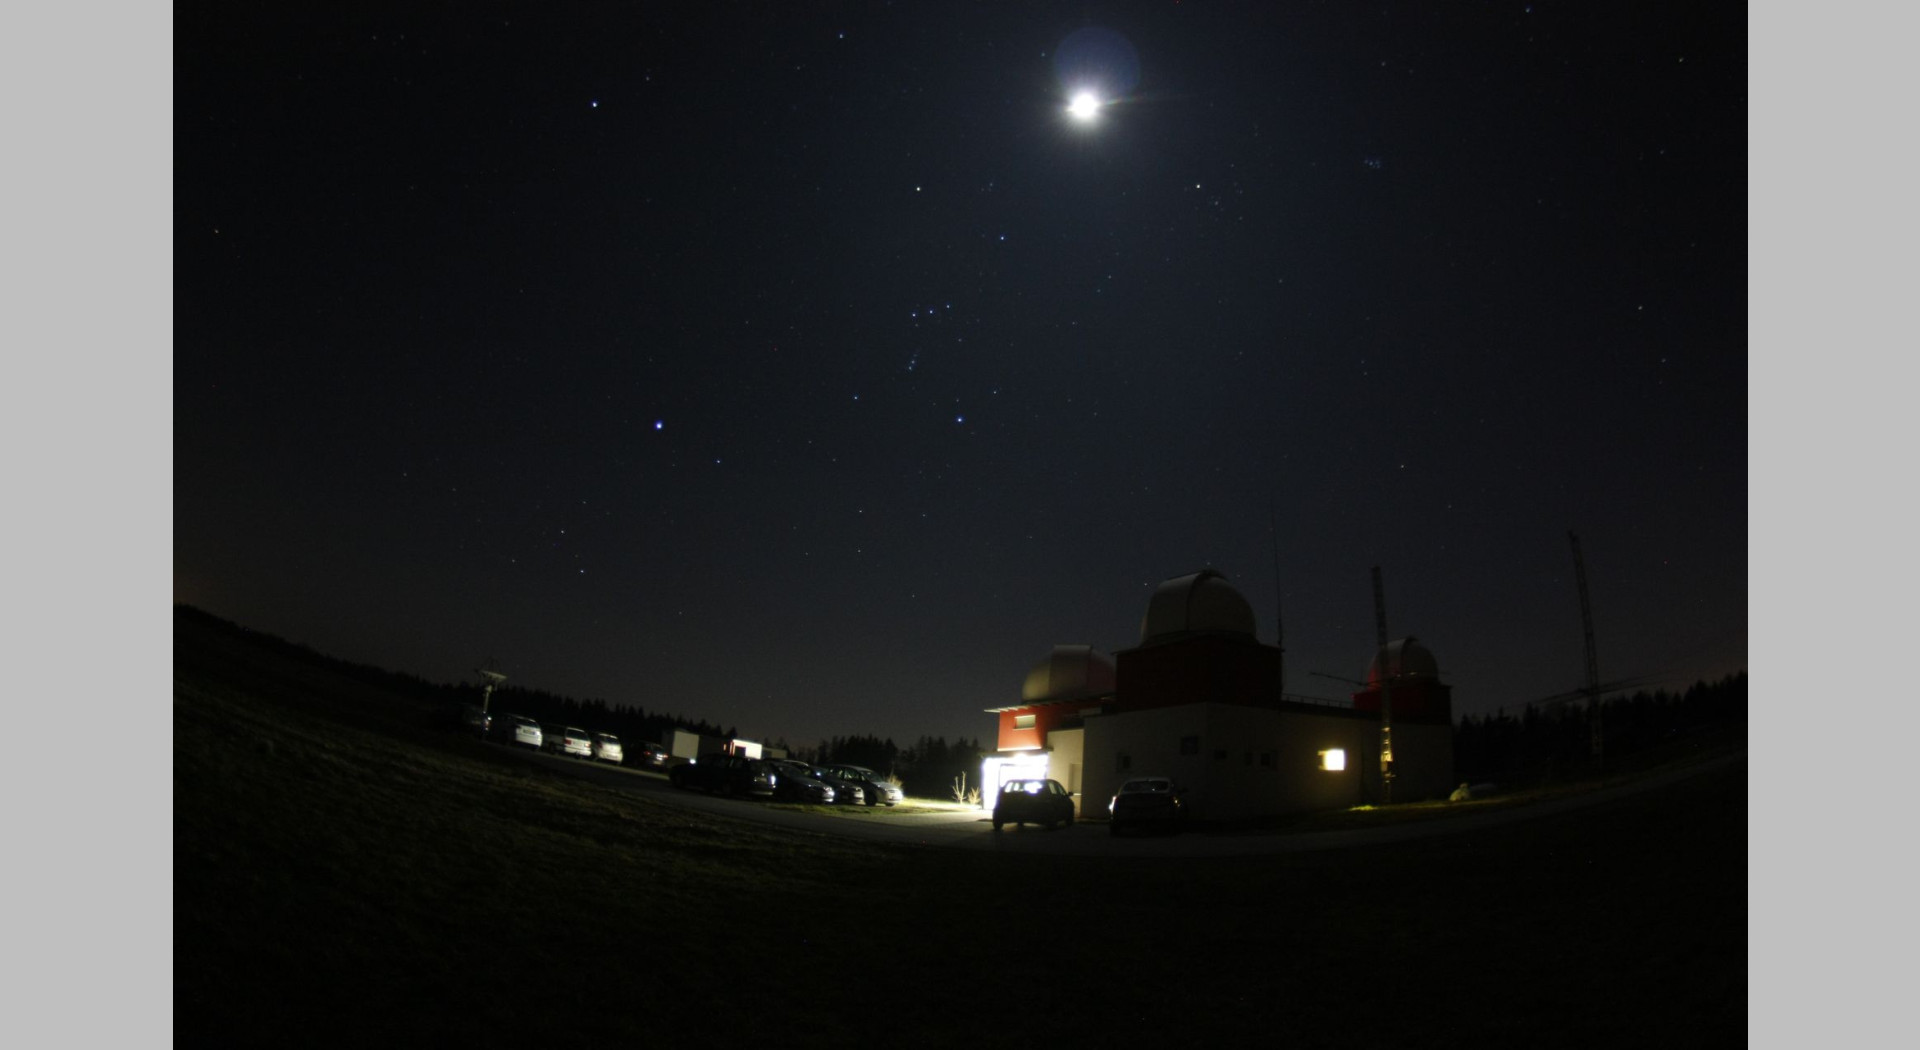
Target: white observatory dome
pixel 1069 671
pixel 1405 658
pixel 1199 603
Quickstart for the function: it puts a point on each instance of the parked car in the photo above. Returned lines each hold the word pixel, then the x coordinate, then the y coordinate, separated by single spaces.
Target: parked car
pixel 471 719
pixel 880 790
pixel 652 756
pixel 606 748
pixel 518 729
pixel 722 774
pixel 1042 802
pixel 845 792
pixel 568 740
pixel 1146 802
pixel 796 783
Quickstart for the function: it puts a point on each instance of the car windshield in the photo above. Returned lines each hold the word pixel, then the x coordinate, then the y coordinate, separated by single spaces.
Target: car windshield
pixel 605 739
pixel 1136 786
pixel 1029 787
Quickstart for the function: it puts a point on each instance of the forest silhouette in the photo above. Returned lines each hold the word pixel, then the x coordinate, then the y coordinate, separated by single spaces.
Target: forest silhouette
pixel 1536 747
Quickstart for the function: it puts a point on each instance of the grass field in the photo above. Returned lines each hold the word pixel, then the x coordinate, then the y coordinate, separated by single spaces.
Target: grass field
pixel 344 873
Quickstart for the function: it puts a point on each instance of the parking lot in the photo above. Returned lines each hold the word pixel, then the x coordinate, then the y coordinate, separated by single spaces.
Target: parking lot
pixel 949 826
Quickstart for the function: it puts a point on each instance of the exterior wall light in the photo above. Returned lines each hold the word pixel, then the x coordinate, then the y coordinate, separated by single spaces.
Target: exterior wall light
pixel 1333 759
pixel 997 770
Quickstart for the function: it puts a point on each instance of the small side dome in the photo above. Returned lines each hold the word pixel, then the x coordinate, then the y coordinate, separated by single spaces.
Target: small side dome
pixel 1405 659
pixel 1198 603
pixel 1068 672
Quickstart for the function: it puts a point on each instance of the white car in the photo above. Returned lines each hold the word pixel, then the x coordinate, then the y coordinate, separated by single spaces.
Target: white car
pixel 519 729
pixel 606 747
pixel 569 740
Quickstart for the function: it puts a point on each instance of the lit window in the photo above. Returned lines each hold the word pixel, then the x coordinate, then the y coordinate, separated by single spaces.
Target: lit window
pixel 1333 759
pixel 1023 721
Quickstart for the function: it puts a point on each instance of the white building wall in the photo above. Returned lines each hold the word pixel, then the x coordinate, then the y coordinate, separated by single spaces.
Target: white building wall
pixel 1067 763
pixel 1238 743
pixel 1138 744
pixel 1304 785
pixel 1234 762
pixel 682 744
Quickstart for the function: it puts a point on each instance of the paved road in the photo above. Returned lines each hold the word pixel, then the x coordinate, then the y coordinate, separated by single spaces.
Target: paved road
pixel 970 829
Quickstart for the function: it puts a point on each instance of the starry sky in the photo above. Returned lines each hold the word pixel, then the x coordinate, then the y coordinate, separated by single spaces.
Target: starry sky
pixel 810 369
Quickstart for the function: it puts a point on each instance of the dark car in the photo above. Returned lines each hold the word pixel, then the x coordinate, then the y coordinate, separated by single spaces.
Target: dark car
pixel 797 783
pixel 1042 802
pixel 1146 802
pixel 845 792
pixel 471 719
pixel 651 756
pixel 722 774
pixel 880 791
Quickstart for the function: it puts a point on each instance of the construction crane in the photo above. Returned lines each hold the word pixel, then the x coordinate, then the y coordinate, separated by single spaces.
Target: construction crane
pixel 1593 659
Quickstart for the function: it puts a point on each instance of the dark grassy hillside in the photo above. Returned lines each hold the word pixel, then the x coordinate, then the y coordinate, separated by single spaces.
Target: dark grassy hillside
pixel 345 873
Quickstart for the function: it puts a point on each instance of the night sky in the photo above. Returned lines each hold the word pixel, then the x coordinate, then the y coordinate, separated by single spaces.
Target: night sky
pixel 809 369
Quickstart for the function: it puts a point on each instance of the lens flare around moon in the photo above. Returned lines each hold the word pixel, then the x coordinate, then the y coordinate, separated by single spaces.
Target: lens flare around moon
pixel 1097 60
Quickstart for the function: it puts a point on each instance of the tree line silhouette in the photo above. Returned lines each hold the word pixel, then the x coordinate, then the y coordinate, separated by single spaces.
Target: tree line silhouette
pixel 1537 747
pixel 1643 728
pixel 926 769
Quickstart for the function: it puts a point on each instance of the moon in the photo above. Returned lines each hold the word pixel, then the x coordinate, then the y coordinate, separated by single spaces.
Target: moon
pixel 1084 107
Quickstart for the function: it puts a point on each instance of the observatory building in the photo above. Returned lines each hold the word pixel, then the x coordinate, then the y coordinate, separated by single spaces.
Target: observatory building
pixel 1199 700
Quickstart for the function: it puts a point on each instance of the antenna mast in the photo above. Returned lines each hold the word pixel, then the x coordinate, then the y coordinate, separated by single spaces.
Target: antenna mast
pixel 486 691
pixel 1279 607
pixel 1386 690
pixel 1593 658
